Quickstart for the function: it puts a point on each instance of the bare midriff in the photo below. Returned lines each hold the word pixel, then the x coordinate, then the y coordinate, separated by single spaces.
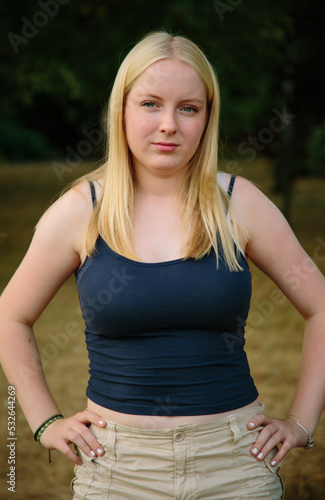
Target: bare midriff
pixel 157 422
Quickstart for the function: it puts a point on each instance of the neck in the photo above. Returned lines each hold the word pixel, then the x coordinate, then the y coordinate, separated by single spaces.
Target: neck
pixel 149 184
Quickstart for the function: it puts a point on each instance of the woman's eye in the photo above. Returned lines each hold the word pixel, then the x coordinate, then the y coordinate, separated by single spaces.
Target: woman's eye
pixel 149 104
pixel 189 109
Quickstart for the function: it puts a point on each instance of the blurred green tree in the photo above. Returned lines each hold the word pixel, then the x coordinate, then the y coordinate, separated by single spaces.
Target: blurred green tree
pixel 60 57
pixel 57 68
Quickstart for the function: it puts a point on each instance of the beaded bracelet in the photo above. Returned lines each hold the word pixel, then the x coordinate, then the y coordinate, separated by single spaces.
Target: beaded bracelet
pixel 41 429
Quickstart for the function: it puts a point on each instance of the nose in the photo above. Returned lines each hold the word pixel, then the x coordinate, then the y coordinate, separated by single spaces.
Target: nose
pixel 168 124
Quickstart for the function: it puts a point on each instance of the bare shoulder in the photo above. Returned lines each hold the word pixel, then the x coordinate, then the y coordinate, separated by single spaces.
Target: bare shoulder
pixel 62 227
pixel 245 189
pixel 75 204
pixel 266 227
pixel 253 208
pixel 68 218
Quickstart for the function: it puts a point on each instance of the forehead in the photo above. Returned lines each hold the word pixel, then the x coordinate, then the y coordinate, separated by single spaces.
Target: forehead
pixel 170 75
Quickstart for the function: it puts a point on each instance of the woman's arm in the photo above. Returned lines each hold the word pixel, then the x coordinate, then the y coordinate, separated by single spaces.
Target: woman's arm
pixel 52 257
pixel 274 249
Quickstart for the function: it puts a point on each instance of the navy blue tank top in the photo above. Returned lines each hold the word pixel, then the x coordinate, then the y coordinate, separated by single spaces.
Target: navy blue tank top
pixel 165 338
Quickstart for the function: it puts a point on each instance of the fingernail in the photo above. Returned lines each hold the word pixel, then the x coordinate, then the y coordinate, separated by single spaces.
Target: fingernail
pixel 273 463
pixel 251 425
pixel 92 453
pixel 260 455
pixel 255 450
pixel 99 451
pixel 100 422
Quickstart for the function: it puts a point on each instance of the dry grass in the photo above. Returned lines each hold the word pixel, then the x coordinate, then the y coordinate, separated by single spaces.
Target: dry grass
pixel 273 347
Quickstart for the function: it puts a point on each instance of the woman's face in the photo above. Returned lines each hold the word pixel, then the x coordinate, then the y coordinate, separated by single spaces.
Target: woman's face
pixel 164 118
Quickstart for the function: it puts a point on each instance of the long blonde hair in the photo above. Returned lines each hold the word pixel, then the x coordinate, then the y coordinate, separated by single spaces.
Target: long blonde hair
pixel 206 204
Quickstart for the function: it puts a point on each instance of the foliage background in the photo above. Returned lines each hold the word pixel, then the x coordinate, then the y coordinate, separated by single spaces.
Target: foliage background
pixel 59 59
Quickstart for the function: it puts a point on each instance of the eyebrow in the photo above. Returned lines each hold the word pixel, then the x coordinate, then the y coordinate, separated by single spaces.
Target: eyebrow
pixel 190 99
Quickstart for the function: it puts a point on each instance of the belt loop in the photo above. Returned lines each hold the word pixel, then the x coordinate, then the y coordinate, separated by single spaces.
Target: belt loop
pixel 110 440
pixel 235 432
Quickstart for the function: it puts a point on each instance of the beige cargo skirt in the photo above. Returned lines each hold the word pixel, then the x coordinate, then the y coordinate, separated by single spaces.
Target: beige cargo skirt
pixel 209 461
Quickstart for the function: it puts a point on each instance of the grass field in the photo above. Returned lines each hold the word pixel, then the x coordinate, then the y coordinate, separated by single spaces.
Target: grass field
pixel 274 336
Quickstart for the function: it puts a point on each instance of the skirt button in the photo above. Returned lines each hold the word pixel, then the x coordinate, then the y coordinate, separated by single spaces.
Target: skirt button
pixel 179 436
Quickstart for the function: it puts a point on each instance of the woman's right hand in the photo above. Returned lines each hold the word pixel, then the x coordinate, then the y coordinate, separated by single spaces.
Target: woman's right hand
pixel 74 430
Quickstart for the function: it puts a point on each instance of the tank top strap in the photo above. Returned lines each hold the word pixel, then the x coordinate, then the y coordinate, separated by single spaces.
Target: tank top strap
pixel 93 193
pixel 231 186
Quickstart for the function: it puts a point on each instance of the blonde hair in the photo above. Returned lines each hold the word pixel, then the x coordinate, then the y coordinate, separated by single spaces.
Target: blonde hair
pixel 206 204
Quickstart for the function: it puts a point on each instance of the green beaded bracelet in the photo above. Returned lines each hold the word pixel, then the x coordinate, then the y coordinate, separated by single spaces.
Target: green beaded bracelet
pixel 41 429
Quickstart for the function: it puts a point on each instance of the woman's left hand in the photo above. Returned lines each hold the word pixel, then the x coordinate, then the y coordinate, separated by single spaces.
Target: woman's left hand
pixel 274 432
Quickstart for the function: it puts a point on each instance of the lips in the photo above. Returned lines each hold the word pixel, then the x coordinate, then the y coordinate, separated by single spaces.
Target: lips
pixel 166 147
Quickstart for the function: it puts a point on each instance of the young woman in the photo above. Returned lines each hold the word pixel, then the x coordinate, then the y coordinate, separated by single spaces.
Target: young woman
pixel 158 240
